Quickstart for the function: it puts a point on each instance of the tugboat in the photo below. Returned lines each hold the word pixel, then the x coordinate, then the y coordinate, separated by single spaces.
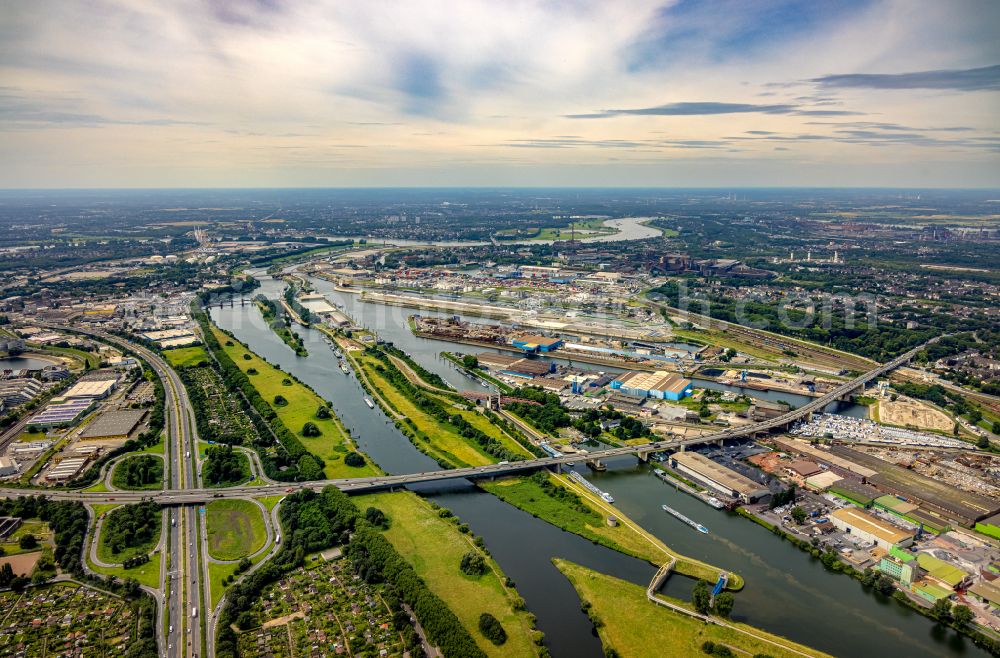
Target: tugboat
pixel 697 526
pixel 368 401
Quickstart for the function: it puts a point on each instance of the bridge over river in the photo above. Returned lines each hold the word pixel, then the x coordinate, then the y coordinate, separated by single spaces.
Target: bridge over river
pixel 383 482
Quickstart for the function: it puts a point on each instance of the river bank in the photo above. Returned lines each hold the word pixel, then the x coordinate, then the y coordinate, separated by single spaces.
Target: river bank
pixel 779 577
pixel 618 607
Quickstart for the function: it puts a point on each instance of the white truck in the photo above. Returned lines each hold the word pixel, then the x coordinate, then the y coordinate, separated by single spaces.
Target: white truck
pixel 194 612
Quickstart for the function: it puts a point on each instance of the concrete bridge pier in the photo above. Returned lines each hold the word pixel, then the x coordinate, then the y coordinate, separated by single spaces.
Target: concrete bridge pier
pixel 596 465
pixel 643 455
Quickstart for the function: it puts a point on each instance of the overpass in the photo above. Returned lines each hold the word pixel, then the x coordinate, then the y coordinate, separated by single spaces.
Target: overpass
pixel 383 482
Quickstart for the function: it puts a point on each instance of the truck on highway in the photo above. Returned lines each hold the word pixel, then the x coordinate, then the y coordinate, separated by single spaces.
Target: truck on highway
pixel 277 539
pixel 194 612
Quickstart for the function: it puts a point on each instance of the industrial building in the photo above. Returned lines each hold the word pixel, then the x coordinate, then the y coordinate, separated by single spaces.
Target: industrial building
pixel 114 424
pixel 932 496
pixel 856 492
pixel 822 480
pixel 67 469
pixel 870 529
pixel 535 344
pixel 8 467
pixel 8 526
pixel 61 412
pixel 718 477
pixel 19 391
pixel 802 468
pixel 943 574
pixel 168 338
pixel 97 389
pixel 899 565
pixel 986 592
pixel 837 463
pixel 661 385
pixel 315 303
pixel 766 410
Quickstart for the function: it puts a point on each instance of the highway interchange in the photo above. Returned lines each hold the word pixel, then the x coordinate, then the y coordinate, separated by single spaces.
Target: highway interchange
pixel 189 620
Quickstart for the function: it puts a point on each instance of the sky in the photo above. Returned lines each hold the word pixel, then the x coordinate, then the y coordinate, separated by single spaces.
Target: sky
pixel 318 93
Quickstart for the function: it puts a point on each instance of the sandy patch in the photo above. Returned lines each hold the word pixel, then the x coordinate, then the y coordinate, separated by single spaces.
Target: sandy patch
pixel 905 412
pixel 22 564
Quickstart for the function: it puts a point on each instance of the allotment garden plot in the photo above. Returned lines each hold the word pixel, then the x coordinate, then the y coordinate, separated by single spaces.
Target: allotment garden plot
pixel 327 609
pixel 65 620
pixel 221 416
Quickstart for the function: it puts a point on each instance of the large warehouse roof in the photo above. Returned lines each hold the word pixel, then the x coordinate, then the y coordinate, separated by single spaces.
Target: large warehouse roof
pixel 872 525
pixel 718 473
pixel 114 423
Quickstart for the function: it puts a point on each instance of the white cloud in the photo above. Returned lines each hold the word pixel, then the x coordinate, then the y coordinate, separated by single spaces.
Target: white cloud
pixel 233 91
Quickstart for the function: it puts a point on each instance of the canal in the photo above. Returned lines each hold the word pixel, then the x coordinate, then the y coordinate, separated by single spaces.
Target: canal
pixel 787 592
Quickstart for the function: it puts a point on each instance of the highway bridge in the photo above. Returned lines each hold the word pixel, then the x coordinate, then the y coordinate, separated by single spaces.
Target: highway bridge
pixel 183 496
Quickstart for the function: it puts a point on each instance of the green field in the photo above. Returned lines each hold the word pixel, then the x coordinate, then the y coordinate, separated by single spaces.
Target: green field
pixel 217 572
pixel 235 529
pixel 635 627
pixel 332 444
pixel 147 574
pixel 434 547
pixel 437 439
pixel 270 501
pixel 184 357
pixel 155 449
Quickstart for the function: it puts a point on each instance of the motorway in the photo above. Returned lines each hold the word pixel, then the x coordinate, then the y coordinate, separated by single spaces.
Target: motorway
pixel 182 568
pixel 185 579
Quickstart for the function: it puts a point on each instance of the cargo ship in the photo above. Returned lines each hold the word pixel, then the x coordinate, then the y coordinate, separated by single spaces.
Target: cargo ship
pixel 605 496
pixel 697 526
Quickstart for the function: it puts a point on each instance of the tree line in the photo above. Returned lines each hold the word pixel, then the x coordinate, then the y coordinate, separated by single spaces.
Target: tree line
pixel 293 462
pixel 434 408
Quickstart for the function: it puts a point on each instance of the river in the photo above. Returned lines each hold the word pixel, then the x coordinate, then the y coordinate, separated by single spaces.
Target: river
pixel 628 228
pixel 787 592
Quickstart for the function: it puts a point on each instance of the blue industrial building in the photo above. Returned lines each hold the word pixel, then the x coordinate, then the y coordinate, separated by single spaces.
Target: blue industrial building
pixel 661 385
pixel 536 344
